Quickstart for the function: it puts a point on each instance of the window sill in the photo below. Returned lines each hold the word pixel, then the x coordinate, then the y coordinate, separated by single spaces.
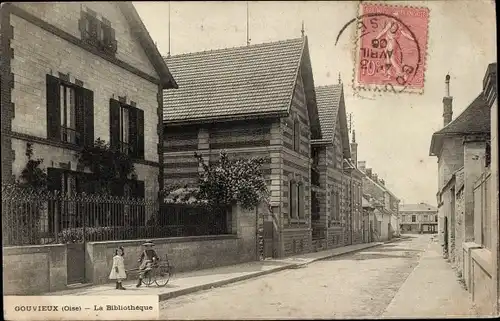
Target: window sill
pixel 297 220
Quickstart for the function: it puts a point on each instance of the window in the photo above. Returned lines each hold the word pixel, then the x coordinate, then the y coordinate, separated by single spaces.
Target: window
pixel 70 112
pixel 292 190
pixel 487 155
pixel 296 135
pixel 300 200
pixel 425 218
pixel 335 205
pixel 127 129
pixel 435 218
pixel 413 218
pixel 97 33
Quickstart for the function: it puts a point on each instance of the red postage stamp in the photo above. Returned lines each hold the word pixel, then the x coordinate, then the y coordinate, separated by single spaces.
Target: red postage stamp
pixel 391 48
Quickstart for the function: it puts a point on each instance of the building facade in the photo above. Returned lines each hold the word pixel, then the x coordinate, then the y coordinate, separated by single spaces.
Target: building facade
pixel 418 218
pixel 467 226
pixel 387 219
pixel 75 72
pixel 252 101
pixel 336 184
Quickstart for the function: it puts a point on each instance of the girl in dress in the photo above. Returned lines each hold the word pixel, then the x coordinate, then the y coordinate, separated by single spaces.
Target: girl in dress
pixel 118 270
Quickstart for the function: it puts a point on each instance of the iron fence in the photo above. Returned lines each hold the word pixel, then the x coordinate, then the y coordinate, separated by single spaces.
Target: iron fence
pixel 31 217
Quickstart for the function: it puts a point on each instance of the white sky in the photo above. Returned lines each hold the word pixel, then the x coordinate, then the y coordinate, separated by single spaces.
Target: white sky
pixel 393 130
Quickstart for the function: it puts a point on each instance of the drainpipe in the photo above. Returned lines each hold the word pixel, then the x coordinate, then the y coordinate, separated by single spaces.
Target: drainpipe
pixel 352 207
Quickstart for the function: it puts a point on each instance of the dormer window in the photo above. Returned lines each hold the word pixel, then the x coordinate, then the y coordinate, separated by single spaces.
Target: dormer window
pixel 97 33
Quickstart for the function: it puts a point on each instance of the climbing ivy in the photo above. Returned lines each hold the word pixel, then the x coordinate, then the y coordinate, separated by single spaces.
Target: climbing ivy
pixel 32 175
pixel 106 163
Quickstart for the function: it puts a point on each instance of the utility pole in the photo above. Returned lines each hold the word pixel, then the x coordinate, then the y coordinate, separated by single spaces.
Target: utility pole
pixel 168 54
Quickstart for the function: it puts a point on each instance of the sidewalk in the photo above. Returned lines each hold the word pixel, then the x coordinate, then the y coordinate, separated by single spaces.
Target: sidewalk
pixel 432 290
pixel 189 282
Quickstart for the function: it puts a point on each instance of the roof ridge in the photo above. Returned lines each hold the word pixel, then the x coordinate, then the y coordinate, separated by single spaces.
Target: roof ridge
pixel 233 48
pixel 324 86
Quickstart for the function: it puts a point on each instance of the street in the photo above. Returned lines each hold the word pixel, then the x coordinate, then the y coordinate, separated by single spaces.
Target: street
pixel 360 284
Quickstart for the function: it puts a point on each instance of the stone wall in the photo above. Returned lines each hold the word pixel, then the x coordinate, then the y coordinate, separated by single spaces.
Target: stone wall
pixel 30 270
pixel 185 253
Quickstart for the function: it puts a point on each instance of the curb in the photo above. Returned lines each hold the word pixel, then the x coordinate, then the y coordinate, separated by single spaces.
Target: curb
pixel 216 284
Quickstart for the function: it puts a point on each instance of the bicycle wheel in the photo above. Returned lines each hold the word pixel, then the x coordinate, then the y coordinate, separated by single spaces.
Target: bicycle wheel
pixel 148 278
pixel 162 275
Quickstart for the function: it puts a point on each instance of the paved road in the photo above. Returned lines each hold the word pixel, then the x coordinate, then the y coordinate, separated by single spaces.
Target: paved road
pixel 361 284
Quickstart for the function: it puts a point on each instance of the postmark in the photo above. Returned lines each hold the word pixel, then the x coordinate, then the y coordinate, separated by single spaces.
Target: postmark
pixel 391 48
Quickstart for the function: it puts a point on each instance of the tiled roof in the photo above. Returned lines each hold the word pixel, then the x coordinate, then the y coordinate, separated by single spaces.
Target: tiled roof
pixel 421 207
pixel 328 101
pixel 233 83
pixel 475 119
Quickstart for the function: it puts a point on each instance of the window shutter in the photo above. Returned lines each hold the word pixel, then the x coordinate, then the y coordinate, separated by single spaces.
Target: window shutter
pixel 82 23
pixel 139 189
pixel 112 40
pixel 132 133
pixel 88 99
pixel 54 179
pixel 300 200
pixel 80 116
pixel 114 123
pixel 53 108
pixel 140 133
pixel 292 198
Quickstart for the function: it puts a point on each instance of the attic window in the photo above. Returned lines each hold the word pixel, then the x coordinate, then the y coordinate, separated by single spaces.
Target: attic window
pixel 97 33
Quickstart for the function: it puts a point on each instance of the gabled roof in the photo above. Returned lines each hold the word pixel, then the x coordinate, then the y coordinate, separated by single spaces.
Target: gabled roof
pixel 380 186
pixel 138 28
pixel 331 111
pixel 236 83
pixel 475 119
pixel 420 207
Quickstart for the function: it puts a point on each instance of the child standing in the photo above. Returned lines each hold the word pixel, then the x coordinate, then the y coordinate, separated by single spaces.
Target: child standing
pixel 147 259
pixel 118 270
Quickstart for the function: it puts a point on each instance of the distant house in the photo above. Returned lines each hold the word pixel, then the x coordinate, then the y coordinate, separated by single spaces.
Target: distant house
pixel 418 218
pixel 368 219
pixel 256 100
pixel 467 224
pixel 336 182
pixel 386 203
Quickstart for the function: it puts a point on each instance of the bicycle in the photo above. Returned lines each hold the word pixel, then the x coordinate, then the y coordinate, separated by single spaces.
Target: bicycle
pixel 160 273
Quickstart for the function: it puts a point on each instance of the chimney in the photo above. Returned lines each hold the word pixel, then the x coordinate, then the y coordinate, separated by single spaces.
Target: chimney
pixel 382 182
pixel 447 103
pixel 354 149
pixel 375 177
pixel 369 172
pixel 362 165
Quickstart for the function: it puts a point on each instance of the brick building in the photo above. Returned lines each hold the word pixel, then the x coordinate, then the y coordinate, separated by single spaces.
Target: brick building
pixel 467 195
pixel 336 184
pixel 256 100
pixel 73 72
pixel 418 218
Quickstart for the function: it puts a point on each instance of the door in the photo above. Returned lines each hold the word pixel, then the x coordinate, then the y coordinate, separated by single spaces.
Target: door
pixel 268 236
pixel 75 262
pixel 445 236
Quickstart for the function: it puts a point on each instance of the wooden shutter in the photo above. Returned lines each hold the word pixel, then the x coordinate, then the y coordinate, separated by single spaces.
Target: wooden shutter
pixel 54 179
pixel 301 200
pixel 140 133
pixel 114 123
pixel 293 198
pixel 53 108
pixel 80 116
pixel 112 40
pixel 132 133
pixel 88 99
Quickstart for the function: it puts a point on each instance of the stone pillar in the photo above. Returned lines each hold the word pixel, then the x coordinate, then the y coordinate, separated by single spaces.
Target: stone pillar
pixel 246 224
pixel 474 151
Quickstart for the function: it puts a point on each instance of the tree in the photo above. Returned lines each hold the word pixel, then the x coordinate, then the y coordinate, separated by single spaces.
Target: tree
pixel 228 182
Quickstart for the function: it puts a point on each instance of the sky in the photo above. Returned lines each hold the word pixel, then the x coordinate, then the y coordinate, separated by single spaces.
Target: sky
pixel 393 131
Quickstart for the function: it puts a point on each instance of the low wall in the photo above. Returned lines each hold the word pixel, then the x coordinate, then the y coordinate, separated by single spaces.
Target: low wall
pixel 185 253
pixel 482 286
pixel 34 269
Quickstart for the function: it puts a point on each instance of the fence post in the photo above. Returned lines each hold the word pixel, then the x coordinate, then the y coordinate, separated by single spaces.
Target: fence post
pixel 84 220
